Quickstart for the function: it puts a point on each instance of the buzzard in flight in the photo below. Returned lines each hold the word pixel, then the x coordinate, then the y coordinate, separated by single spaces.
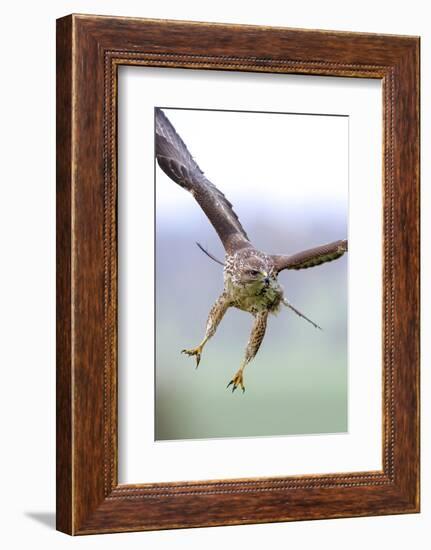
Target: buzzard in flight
pixel 250 276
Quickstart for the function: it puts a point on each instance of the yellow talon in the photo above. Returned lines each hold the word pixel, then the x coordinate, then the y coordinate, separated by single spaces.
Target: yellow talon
pixel 194 351
pixel 236 381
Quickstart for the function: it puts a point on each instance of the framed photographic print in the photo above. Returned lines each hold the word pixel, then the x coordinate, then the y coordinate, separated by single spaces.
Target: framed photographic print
pixel 237 274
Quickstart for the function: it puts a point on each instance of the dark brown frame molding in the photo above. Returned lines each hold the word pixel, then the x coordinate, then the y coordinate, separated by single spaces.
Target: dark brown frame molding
pixel 89 51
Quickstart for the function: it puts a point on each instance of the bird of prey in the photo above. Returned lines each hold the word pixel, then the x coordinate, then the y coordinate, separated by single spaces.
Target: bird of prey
pixel 250 276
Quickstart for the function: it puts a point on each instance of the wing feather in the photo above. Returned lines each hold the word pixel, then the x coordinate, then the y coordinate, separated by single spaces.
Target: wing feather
pixel 178 164
pixel 311 257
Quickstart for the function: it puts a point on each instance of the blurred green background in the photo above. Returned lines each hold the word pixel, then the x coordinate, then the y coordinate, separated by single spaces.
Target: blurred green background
pixel 297 384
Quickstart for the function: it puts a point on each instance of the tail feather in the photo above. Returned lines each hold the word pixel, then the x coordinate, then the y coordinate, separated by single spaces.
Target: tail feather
pixel 289 305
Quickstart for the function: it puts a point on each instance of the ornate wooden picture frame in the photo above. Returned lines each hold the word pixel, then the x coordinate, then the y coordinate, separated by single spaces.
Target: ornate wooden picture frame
pixel 89 51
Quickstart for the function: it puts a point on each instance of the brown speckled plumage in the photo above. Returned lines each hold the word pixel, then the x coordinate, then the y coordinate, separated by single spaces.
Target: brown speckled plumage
pixel 250 276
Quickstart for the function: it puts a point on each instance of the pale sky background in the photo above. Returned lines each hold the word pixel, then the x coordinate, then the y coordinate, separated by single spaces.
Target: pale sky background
pixel 264 160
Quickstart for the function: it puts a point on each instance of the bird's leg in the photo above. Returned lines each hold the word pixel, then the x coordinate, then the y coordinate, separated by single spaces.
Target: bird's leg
pixel 253 345
pixel 215 316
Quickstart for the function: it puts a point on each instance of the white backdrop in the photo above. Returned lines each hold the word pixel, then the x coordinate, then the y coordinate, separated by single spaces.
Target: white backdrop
pixel 27 277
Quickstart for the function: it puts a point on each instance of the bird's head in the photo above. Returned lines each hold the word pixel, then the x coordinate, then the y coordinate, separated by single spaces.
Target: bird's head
pixel 257 271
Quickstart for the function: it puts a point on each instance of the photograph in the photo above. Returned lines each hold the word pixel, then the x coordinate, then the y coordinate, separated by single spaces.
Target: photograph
pixel 251 264
pixel 237 272
pixel 212 300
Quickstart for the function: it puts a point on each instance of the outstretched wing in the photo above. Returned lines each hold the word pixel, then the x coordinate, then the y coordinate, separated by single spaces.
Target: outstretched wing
pixel 177 162
pixel 311 257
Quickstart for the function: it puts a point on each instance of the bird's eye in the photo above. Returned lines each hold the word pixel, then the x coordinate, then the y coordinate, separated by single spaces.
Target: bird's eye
pixel 253 272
